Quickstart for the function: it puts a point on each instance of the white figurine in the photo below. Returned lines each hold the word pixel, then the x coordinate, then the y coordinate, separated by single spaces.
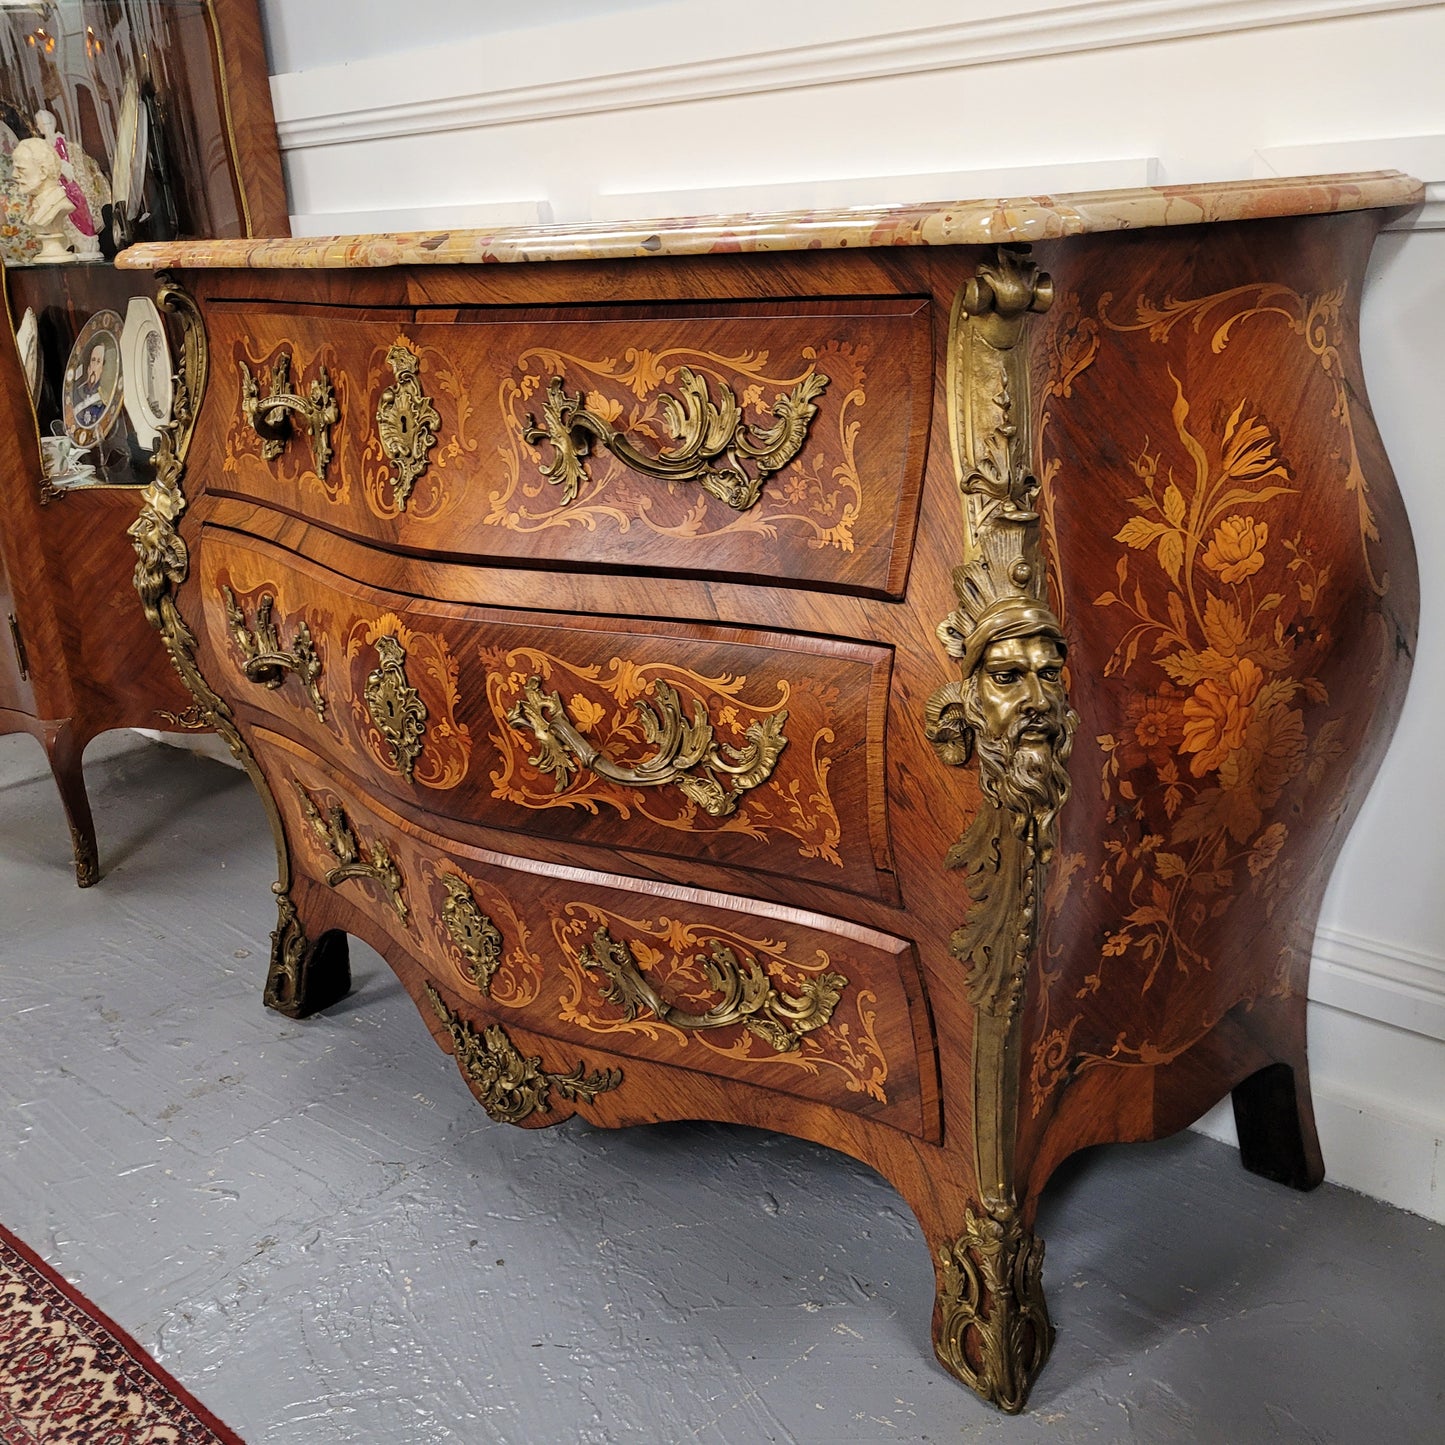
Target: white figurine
pixel 47 206
pixel 84 239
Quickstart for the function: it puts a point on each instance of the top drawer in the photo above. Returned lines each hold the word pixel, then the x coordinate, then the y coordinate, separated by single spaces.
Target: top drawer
pixel 782 441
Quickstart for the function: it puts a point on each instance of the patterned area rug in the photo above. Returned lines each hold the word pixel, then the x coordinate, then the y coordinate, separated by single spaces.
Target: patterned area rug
pixel 70 1376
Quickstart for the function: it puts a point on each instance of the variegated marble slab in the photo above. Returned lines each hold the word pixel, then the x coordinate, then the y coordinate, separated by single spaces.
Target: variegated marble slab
pixel 977 222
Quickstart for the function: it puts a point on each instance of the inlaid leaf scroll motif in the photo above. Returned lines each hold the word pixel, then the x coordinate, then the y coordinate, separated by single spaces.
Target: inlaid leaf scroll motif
pixel 816 496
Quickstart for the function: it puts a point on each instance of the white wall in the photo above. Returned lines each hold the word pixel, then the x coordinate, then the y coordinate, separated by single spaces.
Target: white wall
pixel 635 109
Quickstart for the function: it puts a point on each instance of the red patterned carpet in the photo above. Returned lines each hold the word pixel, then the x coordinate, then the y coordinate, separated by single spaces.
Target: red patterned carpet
pixel 70 1376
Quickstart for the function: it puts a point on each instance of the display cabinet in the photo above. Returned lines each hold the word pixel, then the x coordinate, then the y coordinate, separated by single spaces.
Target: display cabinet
pixel 899 677
pixel 120 121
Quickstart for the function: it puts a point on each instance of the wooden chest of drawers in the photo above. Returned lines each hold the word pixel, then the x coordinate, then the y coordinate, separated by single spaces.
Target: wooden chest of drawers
pixel 870 677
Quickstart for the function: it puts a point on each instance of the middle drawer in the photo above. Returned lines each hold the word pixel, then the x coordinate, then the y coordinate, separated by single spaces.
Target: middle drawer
pixel 747 749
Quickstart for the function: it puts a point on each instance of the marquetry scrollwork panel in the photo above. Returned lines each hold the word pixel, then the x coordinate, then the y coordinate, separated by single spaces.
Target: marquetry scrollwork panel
pixel 724 743
pixel 748 996
pixel 737 995
pixel 688 755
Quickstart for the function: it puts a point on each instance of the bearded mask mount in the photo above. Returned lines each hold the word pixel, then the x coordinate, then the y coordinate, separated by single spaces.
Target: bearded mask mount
pixel 1008 708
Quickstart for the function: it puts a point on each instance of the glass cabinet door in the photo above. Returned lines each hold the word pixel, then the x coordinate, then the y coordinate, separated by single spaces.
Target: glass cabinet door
pixel 117 124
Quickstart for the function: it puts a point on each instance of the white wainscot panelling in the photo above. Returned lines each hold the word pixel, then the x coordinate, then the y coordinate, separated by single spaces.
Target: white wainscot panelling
pixel 659 55
pixel 665 100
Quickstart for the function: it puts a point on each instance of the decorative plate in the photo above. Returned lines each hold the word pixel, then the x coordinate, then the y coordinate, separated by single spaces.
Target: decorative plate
pixel 92 386
pixel 128 164
pixel 27 341
pixel 146 364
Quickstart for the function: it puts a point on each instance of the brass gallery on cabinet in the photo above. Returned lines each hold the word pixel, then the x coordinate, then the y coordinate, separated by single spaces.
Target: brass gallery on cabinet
pixel 704 723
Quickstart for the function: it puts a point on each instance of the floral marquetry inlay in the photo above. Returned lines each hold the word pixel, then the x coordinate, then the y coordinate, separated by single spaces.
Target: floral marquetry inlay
pixel 1219 615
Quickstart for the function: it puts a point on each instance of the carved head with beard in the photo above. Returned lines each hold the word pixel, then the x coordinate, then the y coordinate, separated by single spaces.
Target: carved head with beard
pixel 1011 706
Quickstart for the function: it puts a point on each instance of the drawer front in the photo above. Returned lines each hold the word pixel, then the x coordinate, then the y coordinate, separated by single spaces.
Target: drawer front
pixel 783 441
pixel 788 1001
pixel 745 749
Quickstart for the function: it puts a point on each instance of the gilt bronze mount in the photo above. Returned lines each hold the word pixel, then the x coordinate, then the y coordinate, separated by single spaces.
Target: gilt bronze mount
pixel 477 938
pixel 713 440
pixel 510 1086
pixel 269 416
pixel 395 706
pixel 263 657
pixel 688 755
pixel 372 861
pixel 406 422
pixel 748 996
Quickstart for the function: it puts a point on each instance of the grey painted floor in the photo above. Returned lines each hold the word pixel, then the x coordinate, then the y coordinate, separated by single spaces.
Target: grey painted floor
pixel 316 1229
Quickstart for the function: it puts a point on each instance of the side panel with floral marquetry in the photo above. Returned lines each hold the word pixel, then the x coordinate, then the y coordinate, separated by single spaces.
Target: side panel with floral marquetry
pixel 1240 596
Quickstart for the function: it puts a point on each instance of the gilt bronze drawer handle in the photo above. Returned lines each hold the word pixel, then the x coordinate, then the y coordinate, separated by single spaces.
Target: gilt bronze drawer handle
pixel 267 415
pixel 510 1086
pixel 353 860
pixel 748 997
pixel 264 660
pixel 705 431
pixel 396 707
pixel 478 939
pixel 406 422
pixel 688 755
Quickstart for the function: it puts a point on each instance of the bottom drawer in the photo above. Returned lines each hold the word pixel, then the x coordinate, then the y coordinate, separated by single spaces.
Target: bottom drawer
pixel 791 1002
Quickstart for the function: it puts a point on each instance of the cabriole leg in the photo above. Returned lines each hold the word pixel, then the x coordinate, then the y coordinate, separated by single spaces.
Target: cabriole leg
pixel 64 756
pixel 305 977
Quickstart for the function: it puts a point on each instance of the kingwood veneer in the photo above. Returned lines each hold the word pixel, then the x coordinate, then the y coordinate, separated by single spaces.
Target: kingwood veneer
pixel 673 651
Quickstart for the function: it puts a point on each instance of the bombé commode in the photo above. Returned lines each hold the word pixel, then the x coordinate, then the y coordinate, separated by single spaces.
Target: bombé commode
pixel 894 678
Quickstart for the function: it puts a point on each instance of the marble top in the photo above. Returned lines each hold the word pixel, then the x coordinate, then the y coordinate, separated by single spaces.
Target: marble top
pixel 988 222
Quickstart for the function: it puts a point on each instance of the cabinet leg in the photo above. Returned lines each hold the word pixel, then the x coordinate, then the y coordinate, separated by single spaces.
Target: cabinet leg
pixel 304 977
pixel 64 753
pixel 991 1322
pixel 1275 1119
